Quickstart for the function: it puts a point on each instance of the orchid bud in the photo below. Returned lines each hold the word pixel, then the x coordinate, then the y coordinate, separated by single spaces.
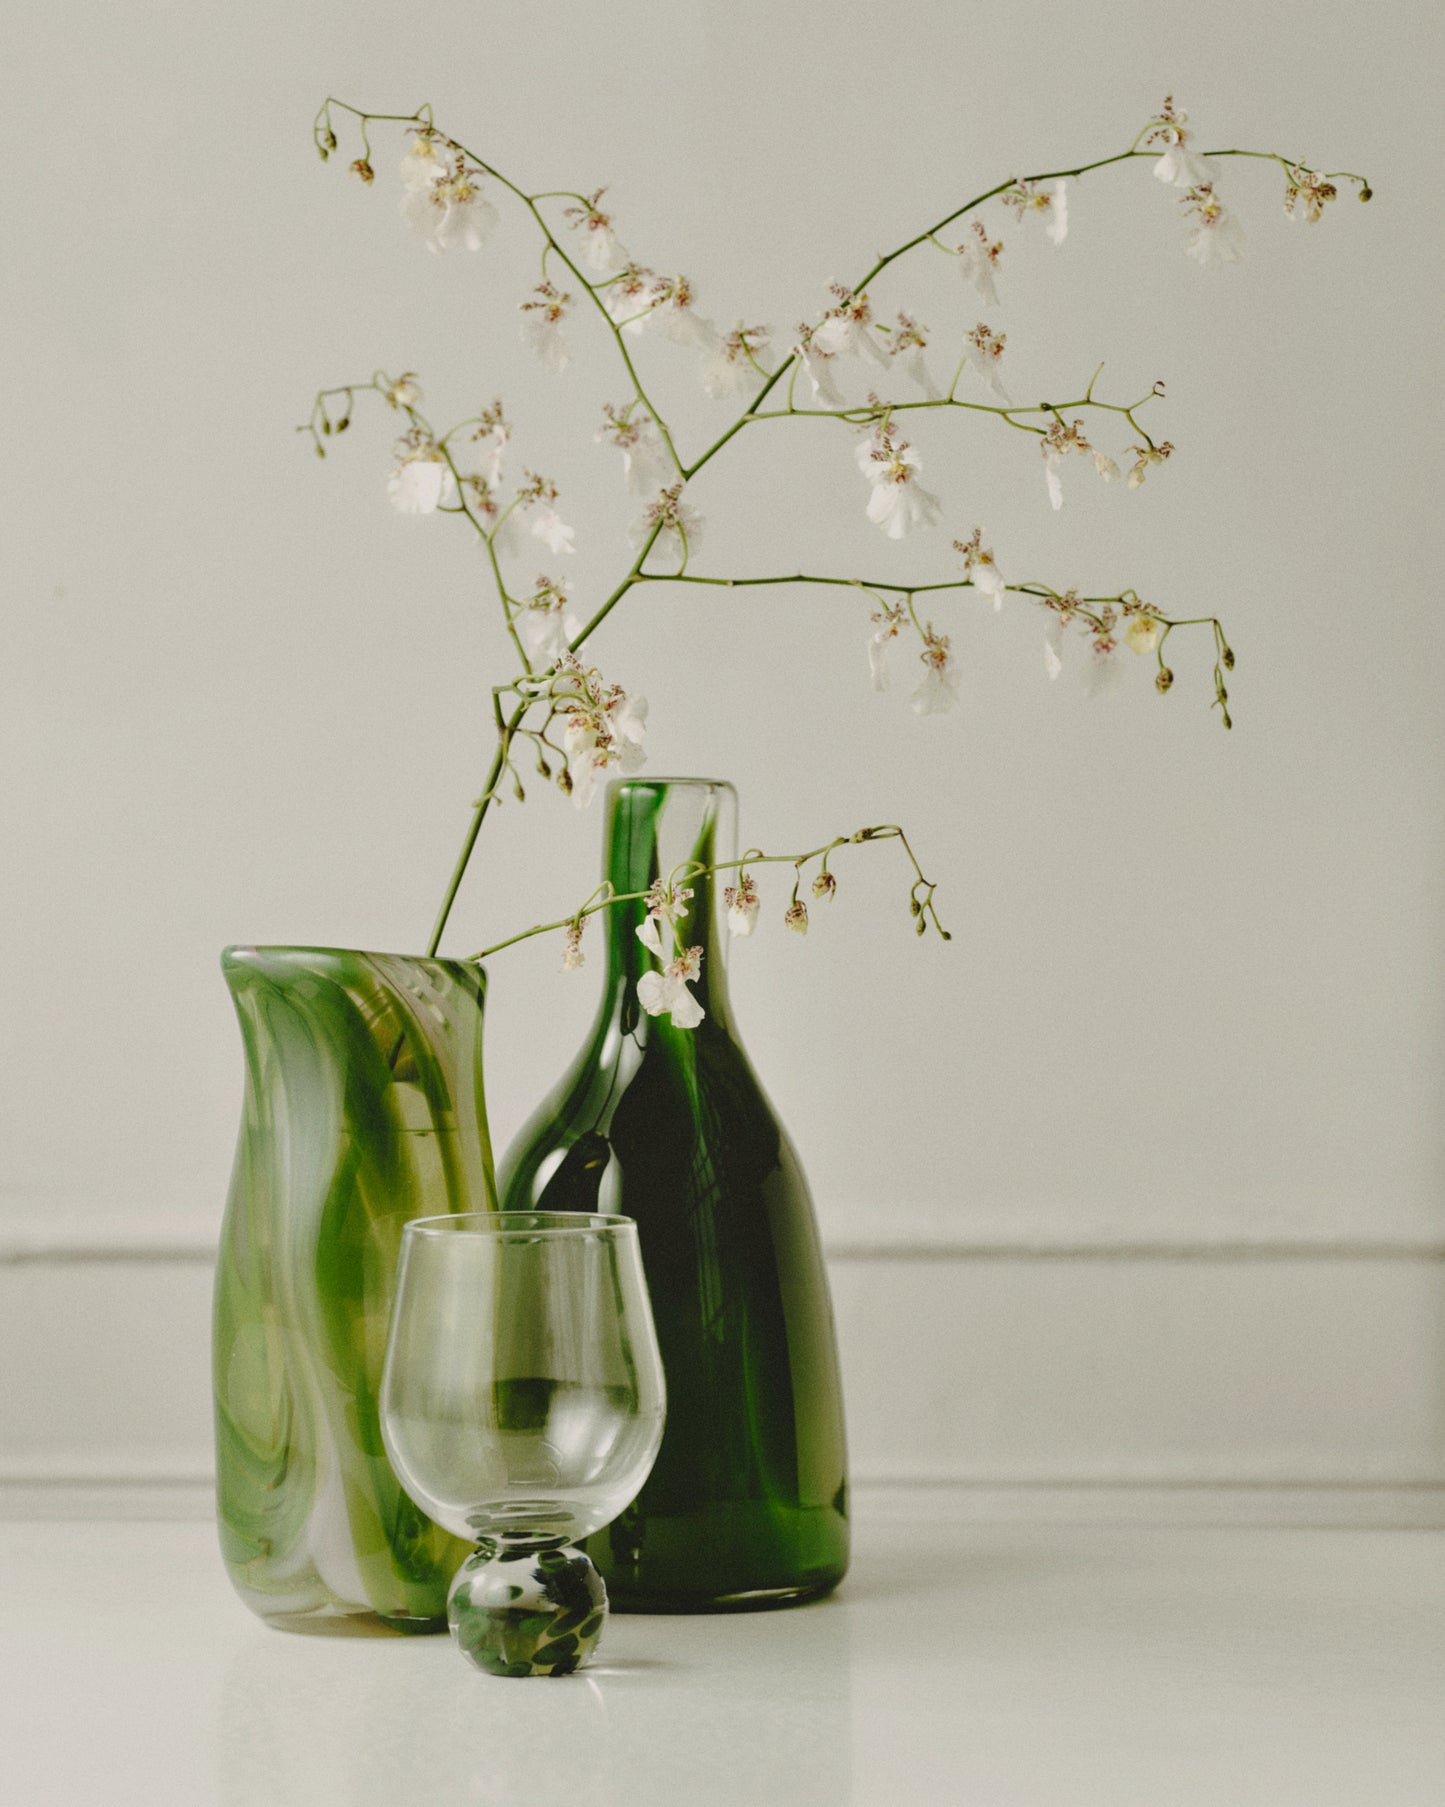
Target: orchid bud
pixel 1164 680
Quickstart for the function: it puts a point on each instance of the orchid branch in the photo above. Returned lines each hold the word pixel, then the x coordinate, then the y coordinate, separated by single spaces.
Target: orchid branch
pixel 870 412
pixel 508 727
pixel 1092 609
pixel 422 118
pixel 887 463
pixel 920 894
pixel 1294 172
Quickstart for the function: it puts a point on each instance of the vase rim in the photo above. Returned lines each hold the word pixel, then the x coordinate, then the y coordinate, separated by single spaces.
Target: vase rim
pixel 270 949
pixel 526 1224
pixel 646 784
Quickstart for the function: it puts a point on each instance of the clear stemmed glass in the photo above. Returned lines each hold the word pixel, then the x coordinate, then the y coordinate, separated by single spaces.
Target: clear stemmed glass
pixel 521 1405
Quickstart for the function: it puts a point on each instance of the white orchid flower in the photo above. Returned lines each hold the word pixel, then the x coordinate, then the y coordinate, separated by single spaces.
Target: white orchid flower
pixel 743 905
pixel 602 253
pixel 542 317
pixel 667 992
pixel 848 329
pixel 898 502
pixel 545 626
pixel 422 482
pixel 1050 205
pixel 451 214
pixel 892 618
pixel 1142 633
pixel 1053 647
pixel 646 461
pixel 1178 165
pixel 549 527
pixel 423 166
pixel 978 263
pixel 1218 237
pixel 939 690
pixel 729 367
pixel 680 525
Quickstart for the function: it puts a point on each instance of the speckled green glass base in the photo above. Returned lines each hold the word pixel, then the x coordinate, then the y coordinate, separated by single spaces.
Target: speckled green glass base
pixel 527 1611
pixel 363 1109
pixel 746 1506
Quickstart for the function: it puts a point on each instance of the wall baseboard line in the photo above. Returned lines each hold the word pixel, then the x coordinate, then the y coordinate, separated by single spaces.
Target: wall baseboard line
pixel 41 1244
pixel 1411 1504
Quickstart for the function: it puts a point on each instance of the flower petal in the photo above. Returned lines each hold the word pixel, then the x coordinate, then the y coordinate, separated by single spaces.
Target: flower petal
pixel 687 1013
pixel 652 993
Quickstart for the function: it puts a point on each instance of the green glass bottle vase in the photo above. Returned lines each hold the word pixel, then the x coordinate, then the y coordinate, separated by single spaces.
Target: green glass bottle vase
pixel 363 1109
pixel 746 1505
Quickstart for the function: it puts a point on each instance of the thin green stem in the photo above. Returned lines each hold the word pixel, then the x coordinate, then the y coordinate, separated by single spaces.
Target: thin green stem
pixel 479 815
pixel 605 898
pixel 506 600
pixel 1037 589
pixel 865 413
pixel 635 575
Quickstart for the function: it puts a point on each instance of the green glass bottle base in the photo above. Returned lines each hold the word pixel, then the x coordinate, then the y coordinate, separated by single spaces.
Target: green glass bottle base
pixel 761 1599
pixel 727 1556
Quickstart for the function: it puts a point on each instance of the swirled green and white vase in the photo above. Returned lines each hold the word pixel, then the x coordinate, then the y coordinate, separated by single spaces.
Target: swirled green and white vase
pixel 746 1505
pixel 363 1109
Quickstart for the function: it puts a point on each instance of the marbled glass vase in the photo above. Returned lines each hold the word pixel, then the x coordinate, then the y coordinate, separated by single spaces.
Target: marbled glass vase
pixel 746 1505
pixel 363 1109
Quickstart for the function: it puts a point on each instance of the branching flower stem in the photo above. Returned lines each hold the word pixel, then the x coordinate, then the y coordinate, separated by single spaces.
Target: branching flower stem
pixel 866 414
pixel 509 725
pixel 423 117
pixel 320 424
pixel 789 365
pixel 1086 606
pixel 605 898
pixel 501 759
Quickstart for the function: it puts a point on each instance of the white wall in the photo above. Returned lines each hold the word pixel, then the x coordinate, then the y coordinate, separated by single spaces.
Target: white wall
pixel 1193 998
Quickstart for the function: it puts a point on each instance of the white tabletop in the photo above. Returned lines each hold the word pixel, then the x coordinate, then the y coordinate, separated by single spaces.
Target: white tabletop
pixel 992 1666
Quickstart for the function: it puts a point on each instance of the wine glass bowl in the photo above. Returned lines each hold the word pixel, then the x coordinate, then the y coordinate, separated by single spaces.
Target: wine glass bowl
pixel 522 1406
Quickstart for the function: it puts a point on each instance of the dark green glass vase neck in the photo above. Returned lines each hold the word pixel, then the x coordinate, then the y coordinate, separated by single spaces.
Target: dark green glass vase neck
pixel 654 827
